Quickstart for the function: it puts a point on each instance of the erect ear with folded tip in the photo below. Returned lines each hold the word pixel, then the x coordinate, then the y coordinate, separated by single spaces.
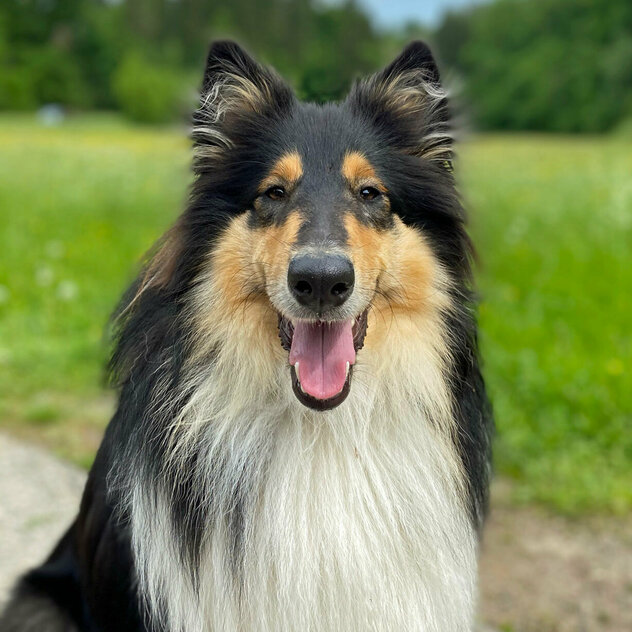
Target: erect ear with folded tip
pixel 407 102
pixel 235 88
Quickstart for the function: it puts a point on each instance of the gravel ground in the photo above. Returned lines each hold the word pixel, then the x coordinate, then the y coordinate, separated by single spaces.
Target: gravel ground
pixel 39 497
pixel 539 573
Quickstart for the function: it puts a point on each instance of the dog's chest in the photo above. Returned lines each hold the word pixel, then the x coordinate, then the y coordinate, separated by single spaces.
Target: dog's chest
pixel 346 522
pixel 347 535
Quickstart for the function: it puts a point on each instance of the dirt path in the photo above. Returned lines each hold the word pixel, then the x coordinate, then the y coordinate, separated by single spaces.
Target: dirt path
pixel 539 573
pixel 542 573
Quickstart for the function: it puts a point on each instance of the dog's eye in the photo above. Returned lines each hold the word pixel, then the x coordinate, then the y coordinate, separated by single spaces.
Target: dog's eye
pixel 276 193
pixel 369 193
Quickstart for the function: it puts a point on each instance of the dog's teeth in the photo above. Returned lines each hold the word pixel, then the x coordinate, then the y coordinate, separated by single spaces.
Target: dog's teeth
pixel 347 371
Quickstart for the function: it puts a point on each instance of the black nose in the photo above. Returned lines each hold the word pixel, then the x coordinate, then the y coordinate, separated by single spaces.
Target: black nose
pixel 321 282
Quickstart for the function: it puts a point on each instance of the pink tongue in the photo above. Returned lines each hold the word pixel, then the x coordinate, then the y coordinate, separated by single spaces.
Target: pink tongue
pixel 322 351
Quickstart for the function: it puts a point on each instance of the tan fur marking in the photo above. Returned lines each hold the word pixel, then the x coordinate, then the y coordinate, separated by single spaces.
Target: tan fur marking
pixel 246 266
pixel 288 170
pixel 358 171
pixel 370 251
pixel 234 275
pixel 409 284
pixel 274 248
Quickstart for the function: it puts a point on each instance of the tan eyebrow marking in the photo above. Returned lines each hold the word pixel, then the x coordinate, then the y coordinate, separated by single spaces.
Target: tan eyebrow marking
pixel 288 169
pixel 358 171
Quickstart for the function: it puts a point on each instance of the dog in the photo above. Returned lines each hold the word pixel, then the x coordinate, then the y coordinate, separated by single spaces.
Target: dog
pixel 302 439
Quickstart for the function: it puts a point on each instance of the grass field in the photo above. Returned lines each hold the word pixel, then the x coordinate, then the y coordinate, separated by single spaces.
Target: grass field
pixel 552 220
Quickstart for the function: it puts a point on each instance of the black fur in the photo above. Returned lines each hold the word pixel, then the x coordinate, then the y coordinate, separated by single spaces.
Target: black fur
pixel 89 582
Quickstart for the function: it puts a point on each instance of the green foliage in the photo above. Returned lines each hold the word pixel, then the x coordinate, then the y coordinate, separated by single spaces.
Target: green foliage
pixel 129 54
pixel 147 93
pixel 56 77
pixel 42 414
pixel 16 89
pixel 336 45
pixel 558 65
pixel 81 203
pixel 40 58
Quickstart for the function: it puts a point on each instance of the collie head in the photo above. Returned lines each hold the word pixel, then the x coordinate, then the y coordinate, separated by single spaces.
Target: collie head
pixel 315 234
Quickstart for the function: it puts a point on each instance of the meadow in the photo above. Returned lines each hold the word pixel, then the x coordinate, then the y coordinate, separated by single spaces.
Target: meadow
pixel 551 218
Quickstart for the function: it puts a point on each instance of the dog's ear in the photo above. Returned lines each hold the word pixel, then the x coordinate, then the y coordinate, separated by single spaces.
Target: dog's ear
pixel 408 104
pixel 416 57
pixel 235 91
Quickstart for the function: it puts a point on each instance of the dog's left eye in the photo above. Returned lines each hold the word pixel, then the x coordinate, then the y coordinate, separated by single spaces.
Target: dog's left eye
pixel 275 193
pixel 369 193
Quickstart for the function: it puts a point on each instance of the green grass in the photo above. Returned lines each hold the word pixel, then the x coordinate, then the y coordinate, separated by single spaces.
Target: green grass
pixel 553 225
pixel 79 205
pixel 552 220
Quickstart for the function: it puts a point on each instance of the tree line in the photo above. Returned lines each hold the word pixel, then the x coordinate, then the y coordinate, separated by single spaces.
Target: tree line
pixel 556 65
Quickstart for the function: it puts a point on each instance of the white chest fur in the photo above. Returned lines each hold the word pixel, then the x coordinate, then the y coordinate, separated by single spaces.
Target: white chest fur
pixel 350 520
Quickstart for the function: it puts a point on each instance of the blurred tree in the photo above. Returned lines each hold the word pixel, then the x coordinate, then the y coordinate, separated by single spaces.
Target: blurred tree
pixel 557 65
pixel 147 93
pixel 562 65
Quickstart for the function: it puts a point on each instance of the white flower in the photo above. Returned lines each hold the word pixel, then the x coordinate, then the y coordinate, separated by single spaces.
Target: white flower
pixel 44 276
pixel 54 249
pixel 67 290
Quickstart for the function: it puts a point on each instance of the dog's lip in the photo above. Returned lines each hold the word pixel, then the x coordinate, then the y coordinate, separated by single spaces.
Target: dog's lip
pixel 286 332
pixel 314 402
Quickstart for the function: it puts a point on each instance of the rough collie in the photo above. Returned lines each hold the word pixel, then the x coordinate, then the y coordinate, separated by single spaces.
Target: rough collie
pixel 302 439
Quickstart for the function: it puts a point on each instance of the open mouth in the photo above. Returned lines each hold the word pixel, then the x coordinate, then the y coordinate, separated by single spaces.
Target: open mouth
pixel 322 355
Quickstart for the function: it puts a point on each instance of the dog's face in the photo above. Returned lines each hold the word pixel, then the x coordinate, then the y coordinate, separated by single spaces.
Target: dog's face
pixel 323 247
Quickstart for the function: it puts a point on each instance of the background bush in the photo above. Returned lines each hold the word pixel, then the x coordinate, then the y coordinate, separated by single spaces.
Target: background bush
pixel 147 93
pixel 56 77
pixel 16 90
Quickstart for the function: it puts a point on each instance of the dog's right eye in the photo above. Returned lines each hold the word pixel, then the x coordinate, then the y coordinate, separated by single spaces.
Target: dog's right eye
pixel 369 193
pixel 275 193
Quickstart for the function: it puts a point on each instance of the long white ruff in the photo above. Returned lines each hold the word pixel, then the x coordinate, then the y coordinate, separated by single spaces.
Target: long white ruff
pixel 352 519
